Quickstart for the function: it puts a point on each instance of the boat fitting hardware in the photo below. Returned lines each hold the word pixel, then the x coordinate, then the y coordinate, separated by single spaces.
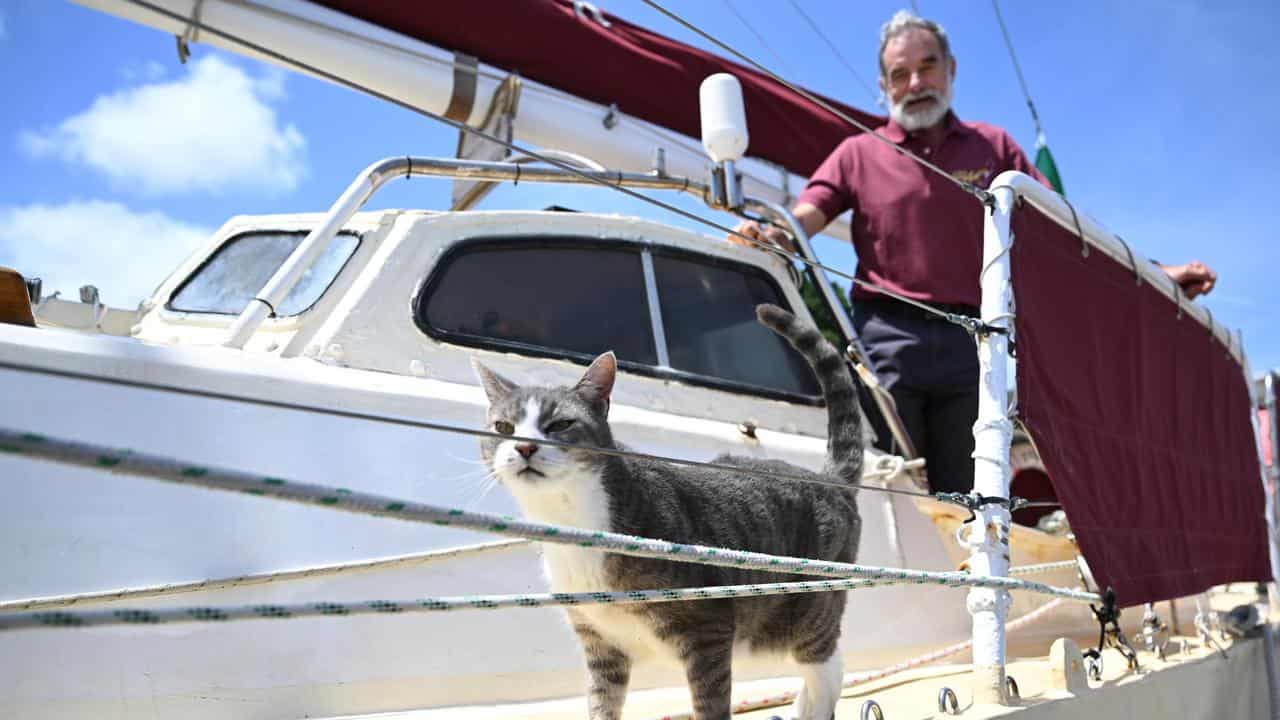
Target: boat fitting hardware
pixel 976 501
pixel 1093 664
pixel 947 702
pixel 1155 633
pixel 190 33
pixel 583 9
pixel 1012 686
pixel 1109 632
pixel 871 708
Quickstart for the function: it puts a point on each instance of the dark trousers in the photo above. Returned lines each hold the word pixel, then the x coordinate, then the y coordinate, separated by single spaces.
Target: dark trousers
pixel 930 367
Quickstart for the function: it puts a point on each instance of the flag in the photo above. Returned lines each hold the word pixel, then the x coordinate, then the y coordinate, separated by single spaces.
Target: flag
pixel 1046 165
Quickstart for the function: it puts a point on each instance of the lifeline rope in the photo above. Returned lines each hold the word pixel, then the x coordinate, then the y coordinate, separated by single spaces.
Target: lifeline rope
pixel 426 425
pixel 165 616
pixel 856 679
pixel 1043 567
pixel 567 167
pixel 159 468
pixel 90 598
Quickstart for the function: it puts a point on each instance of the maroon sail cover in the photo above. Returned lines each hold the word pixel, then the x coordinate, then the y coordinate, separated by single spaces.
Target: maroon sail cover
pixel 1143 421
pixel 649 76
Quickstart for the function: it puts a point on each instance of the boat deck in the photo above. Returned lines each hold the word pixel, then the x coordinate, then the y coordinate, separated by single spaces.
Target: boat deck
pixel 1194 681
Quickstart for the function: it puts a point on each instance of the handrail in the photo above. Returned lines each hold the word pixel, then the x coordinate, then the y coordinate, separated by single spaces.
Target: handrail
pixel 887 412
pixel 378 174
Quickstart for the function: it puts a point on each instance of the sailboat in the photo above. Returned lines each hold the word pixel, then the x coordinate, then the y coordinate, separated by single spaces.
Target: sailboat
pixel 356 375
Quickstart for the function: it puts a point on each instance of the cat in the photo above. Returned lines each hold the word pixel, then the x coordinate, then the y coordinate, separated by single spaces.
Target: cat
pixel 650 498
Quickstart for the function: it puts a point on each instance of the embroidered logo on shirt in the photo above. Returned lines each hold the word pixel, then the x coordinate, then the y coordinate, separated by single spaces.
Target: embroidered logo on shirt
pixel 973 177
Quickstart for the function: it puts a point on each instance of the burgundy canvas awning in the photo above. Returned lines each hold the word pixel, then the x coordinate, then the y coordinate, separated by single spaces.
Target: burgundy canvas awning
pixel 649 76
pixel 1143 421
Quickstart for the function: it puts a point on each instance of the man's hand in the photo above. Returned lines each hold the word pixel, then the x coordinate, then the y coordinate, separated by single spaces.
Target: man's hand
pixel 1195 278
pixel 764 234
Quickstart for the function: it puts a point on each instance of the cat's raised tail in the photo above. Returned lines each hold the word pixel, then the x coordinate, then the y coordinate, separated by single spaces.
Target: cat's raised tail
pixel 844 418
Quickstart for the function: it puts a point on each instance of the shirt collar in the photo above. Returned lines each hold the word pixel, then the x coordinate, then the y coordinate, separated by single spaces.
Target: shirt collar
pixel 893 132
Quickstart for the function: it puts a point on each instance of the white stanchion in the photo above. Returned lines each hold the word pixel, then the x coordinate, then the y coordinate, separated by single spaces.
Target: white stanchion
pixel 988 537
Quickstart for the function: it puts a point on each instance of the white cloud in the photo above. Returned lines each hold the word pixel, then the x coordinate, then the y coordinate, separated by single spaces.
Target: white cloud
pixel 125 253
pixel 150 71
pixel 212 130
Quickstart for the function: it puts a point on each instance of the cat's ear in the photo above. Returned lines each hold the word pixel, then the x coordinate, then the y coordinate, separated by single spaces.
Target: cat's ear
pixel 597 382
pixel 495 386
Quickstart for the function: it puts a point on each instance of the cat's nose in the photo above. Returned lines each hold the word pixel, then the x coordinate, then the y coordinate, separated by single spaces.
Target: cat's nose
pixel 526 449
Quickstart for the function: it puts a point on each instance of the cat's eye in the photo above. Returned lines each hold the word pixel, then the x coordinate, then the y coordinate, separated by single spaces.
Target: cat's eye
pixel 559 426
pixel 504 428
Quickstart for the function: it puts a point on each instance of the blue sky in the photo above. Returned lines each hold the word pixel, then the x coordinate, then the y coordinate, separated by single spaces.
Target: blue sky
pixel 116 160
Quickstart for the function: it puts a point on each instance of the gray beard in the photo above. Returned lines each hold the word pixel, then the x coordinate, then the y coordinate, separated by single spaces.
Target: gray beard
pixel 912 121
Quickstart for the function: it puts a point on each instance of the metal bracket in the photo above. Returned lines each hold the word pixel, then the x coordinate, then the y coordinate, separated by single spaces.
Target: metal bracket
pixel 190 33
pixel 1109 632
pixel 975 326
pixel 973 502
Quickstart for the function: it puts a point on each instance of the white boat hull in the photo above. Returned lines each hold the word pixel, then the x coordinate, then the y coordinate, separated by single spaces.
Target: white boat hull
pixel 70 530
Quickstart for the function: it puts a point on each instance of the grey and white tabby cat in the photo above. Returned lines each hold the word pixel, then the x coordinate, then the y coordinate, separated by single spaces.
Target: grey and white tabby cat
pixel 571 486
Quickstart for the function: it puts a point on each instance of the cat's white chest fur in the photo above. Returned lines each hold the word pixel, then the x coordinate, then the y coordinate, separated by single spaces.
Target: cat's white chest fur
pixel 578 500
pixel 574 569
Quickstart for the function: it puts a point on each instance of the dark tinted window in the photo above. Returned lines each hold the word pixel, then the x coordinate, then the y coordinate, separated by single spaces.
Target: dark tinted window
pixel 239 269
pixel 541 295
pixel 709 315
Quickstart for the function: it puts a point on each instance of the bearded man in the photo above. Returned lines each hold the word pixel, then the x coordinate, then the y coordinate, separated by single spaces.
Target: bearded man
pixel 919 235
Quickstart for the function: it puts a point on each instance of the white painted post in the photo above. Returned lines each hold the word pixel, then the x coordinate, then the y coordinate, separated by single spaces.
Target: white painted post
pixel 1271 484
pixel 988 537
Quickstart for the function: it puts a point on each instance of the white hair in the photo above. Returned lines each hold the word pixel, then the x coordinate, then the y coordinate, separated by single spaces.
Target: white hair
pixel 905 20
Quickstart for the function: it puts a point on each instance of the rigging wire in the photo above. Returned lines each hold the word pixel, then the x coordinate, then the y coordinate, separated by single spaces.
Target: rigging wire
pixel 970 188
pixel 1017 68
pixel 759 37
pixel 875 96
pixel 463 127
pixel 443 427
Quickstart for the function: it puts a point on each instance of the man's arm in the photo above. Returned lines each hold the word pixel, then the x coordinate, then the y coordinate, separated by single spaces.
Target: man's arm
pixel 809 216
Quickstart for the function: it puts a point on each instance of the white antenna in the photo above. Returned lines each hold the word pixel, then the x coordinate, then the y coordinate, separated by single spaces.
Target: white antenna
pixel 724 135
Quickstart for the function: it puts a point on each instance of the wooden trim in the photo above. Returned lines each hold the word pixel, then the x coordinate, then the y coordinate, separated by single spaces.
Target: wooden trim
pixel 15 302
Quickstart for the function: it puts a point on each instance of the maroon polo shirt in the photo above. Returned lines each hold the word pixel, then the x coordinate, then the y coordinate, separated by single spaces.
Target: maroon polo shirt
pixel 916 233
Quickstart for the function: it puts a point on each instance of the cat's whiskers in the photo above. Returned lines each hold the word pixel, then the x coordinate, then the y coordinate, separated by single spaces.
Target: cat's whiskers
pixel 474 486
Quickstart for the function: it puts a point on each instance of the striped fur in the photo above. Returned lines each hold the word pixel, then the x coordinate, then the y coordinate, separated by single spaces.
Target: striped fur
pixel 844 420
pixel 697 505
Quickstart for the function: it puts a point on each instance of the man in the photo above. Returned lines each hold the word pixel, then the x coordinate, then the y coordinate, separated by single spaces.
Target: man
pixel 919 235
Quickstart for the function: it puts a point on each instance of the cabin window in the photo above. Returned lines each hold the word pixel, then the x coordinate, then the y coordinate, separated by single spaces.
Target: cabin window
pixel 236 272
pixel 544 297
pixel 708 314
pixel 575 298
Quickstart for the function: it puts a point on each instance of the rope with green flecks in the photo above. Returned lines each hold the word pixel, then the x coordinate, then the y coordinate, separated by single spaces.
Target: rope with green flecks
pixel 310 573
pixel 1043 567
pixel 162 616
pixel 160 468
